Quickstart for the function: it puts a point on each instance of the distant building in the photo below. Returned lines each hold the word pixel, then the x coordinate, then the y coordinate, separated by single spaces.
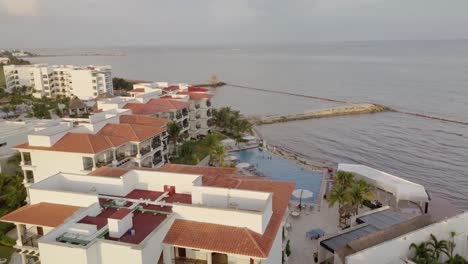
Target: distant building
pixel 86 83
pixel 113 215
pixel 4 60
pixel 190 107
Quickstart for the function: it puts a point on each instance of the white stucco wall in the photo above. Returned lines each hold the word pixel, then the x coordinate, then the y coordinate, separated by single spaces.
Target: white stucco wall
pixel 61 197
pixel 231 217
pixel 45 163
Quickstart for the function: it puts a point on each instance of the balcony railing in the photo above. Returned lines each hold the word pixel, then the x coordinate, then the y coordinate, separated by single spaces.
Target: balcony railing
pixel 145 150
pixel 27 162
pixel 156 142
pixel 101 163
pixel 120 156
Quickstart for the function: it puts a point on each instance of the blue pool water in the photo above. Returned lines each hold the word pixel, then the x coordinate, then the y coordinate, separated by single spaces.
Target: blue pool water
pixel 282 169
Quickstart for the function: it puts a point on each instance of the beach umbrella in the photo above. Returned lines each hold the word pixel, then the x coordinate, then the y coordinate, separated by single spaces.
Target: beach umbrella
pixel 302 193
pixel 242 165
pixel 249 138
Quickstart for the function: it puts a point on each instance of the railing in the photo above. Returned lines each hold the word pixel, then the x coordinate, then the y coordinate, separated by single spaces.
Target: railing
pixel 101 163
pixel 132 153
pixel 120 156
pixel 27 162
pixel 145 150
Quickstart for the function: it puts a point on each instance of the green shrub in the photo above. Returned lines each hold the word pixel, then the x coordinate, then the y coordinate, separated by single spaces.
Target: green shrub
pixel 7 241
pixel 288 249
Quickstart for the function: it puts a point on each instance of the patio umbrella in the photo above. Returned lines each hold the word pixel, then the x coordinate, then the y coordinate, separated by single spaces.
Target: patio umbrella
pixel 242 165
pixel 302 193
pixel 231 158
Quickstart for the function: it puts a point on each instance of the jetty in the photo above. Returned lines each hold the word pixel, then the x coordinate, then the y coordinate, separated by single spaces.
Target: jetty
pixel 349 109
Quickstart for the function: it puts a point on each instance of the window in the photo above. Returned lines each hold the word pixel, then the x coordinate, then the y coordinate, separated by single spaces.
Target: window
pixel 3 144
pixel 95 94
pixel 29 176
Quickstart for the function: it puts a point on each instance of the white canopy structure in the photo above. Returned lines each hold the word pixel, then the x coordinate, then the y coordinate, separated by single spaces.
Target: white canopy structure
pixel 402 189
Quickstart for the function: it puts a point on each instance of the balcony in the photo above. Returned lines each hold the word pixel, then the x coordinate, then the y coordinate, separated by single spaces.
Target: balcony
pixel 208 103
pixel 197 106
pixel 103 162
pixel 208 113
pixel 120 156
pixel 197 116
pixel 185 123
pixel 181 260
pixel 144 150
pixel 178 115
pixel 185 112
pixel 209 123
pixel 157 158
pixel 156 142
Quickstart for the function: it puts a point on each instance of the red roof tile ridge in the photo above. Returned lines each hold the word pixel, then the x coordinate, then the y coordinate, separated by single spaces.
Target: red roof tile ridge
pixel 254 241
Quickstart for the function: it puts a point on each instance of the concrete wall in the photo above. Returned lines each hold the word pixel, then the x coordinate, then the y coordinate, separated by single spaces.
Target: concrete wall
pixel 231 217
pixel 45 163
pixel 275 256
pixel 61 197
pixel 150 180
pixel 223 197
pixel 57 254
pixel 395 250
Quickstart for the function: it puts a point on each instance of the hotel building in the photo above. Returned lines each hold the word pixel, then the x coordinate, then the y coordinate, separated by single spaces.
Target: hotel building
pixel 111 138
pixel 176 214
pixel 84 82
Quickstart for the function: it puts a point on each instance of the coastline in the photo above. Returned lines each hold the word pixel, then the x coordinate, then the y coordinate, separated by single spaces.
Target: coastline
pixel 298 158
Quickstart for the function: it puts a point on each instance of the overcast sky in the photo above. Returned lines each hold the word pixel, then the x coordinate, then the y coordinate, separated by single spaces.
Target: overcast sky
pixel 75 23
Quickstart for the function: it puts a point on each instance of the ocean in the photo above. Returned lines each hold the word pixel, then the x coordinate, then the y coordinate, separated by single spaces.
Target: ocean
pixel 429 77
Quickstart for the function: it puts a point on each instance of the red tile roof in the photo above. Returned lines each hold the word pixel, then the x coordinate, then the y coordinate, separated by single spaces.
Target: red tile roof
pixel 197 89
pixel 130 132
pixel 155 106
pixel 219 238
pixel 80 143
pixel 108 172
pixel 143 120
pixel 207 236
pixel 41 214
pixel 169 104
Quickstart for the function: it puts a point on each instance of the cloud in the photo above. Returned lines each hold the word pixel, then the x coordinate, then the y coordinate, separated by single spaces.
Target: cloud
pixel 21 7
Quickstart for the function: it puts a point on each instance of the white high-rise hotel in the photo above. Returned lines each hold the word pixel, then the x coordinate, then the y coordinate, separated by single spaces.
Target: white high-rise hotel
pixel 85 82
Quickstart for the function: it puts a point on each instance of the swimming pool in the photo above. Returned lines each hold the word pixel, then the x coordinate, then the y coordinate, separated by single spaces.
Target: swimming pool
pixel 278 168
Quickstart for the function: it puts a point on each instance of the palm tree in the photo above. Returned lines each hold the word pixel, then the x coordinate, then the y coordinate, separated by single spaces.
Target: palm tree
pixel 219 152
pixel 359 192
pixel 173 129
pixel 421 253
pixel 339 194
pixel 344 178
pixel 437 247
